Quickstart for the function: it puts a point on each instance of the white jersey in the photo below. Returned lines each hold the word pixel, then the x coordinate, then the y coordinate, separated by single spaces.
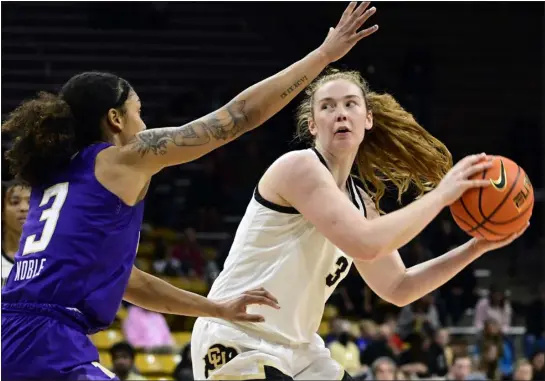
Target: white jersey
pixel 7 264
pixel 275 247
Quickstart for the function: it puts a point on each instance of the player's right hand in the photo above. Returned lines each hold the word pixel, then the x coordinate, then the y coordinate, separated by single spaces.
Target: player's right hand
pixel 345 35
pixel 235 309
pixel 457 181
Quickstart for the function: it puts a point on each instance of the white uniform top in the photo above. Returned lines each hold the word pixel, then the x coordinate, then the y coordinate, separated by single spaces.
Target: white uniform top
pixel 7 264
pixel 275 247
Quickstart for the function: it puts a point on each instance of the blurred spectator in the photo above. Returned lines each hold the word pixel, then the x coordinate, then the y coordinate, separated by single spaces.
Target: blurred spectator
pixel 489 361
pixel 384 368
pixel 416 359
pixel 380 347
pixel 147 330
pixel 493 306
pixel 368 333
pixel 492 335
pixel 523 371
pixel 344 349
pixel 184 369
pixel 538 365
pixel 461 369
pixel 190 253
pixel 440 353
pixel 123 355
pixel 164 263
pixel 535 324
pixel 419 316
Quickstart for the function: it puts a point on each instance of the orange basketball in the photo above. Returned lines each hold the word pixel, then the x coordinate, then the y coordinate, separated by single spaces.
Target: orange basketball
pixel 501 209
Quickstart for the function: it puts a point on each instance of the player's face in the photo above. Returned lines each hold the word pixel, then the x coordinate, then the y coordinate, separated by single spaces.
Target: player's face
pixel 16 207
pixel 340 116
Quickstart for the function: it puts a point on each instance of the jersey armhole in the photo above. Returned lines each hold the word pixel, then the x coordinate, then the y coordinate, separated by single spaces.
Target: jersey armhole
pixel 271 205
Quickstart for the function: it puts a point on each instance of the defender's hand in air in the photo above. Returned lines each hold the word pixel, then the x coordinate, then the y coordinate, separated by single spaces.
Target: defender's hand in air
pixel 345 35
pixel 457 181
pixel 235 309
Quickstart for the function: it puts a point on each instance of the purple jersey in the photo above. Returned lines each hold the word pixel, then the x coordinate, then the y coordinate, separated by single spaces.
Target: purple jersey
pixel 77 248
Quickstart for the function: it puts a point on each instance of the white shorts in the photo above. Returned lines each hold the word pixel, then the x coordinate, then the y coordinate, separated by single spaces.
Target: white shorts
pixel 222 352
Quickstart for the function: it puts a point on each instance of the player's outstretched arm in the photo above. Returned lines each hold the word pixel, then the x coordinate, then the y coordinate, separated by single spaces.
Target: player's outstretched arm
pixel 154 294
pixel 155 149
pixel 304 183
pixel 392 281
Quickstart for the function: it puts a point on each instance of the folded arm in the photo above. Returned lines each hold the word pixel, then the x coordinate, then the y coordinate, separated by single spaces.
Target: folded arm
pixel 392 281
pixel 301 181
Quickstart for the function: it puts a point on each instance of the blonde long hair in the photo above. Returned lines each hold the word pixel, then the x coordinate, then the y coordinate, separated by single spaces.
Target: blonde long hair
pixel 397 149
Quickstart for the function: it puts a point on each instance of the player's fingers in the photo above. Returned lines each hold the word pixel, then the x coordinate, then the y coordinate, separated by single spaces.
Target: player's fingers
pixel 360 9
pixel 251 318
pixel 476 168
pixel 262 292
pixel 358 22
pixel 255 299
pixel 366 32
pixel 347 12
pixel 468 161
pixel 476 183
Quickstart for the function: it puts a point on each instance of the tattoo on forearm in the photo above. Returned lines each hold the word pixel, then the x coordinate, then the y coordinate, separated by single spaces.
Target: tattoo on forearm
pixel 292 88
pixel 224 124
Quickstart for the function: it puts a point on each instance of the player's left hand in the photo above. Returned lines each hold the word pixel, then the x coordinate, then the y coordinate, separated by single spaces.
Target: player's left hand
pixel 484 246
pixel 235 309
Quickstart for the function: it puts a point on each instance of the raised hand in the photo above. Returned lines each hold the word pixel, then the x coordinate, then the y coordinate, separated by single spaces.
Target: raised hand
pixel 345 35
pixel 235 309
pixel 457 180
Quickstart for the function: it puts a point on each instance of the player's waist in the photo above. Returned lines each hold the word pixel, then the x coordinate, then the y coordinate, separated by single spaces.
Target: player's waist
pixel 261 331
pixel 71 317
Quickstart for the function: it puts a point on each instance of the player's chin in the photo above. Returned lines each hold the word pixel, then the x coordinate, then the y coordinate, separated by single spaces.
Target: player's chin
pixel 345 141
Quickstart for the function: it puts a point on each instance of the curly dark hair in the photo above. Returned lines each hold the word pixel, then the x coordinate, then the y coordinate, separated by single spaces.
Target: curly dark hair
pixel 49 129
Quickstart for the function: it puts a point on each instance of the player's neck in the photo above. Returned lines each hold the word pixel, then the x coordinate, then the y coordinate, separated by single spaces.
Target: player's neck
pixel 10 244
pixel 339 166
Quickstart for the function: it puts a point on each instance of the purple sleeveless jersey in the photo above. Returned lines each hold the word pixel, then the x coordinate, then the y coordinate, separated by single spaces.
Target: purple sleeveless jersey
pixel 74 261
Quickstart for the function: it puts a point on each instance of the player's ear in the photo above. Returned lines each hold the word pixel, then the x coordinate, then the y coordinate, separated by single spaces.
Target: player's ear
pixel 312 127
pixel 369 120
pixel 114 119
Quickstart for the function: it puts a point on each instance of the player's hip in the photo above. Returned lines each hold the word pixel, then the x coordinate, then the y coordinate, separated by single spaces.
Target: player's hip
pixel 36 346
pixel 223 351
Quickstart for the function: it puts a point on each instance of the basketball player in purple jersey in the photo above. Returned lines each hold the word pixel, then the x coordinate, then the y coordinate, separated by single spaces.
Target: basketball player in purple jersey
pixel 89 160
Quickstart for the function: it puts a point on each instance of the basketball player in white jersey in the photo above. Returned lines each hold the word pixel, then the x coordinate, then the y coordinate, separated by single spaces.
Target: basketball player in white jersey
pixel 310 219
pixel 15 198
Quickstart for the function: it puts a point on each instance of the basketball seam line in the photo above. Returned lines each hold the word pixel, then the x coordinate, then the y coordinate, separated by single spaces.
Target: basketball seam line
pixel 487 218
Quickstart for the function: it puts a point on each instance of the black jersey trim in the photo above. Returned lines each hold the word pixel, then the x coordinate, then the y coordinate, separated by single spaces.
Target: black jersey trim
pixel 271 205
pixel 359 184
pixel 7 258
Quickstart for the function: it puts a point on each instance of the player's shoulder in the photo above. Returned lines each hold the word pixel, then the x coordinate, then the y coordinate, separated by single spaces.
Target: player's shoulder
pixel 297 161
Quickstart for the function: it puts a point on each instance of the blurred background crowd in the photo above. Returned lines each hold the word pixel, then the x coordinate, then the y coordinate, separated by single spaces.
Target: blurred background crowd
pixel 471 73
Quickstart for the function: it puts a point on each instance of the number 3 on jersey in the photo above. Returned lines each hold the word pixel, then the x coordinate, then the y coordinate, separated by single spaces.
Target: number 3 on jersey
pixel 342 266
pixel 51 215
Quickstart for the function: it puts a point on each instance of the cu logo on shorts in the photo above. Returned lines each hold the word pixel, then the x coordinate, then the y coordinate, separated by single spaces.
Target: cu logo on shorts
pixel 217 356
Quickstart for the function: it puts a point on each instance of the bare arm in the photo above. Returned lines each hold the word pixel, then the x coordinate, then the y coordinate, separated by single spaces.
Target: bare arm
pixel 392 281
pixel 300 180
pixel 304 183
pixel 154 294
pixel 155 149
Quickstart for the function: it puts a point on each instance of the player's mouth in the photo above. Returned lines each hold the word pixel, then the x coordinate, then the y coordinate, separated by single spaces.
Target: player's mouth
pixel 342 130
